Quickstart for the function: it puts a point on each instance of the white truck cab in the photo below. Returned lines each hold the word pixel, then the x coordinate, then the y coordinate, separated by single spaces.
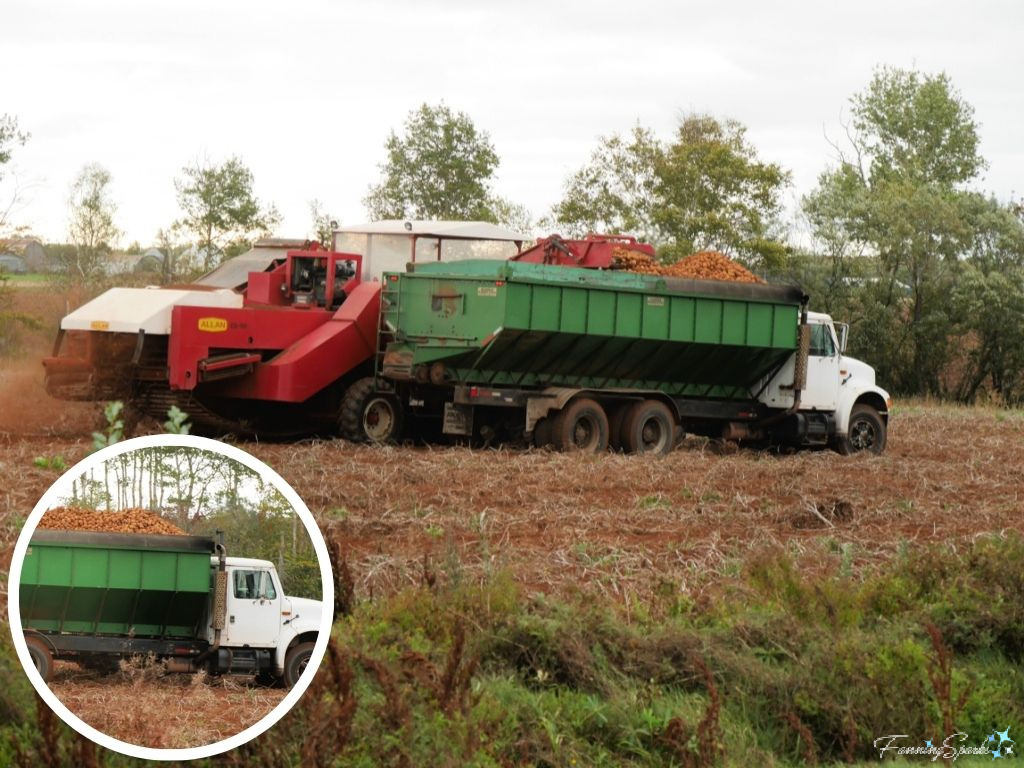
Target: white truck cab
pixel 259 618
pixel 832 388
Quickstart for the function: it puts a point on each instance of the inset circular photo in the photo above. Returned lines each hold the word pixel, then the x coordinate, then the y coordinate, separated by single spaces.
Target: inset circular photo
pixel 170 597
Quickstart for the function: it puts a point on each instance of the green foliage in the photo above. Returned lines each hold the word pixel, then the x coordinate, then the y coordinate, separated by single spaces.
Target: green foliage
pixel 177 422
pixel 113 432
pixel 706 190
pixel 715 194
pixel 10 137
pixel 441 168
pixel 12 322
pixel 90 222
pixel 616 190
pixel 221 209
pixel 898 194
pixel 56 463
pixel 323 223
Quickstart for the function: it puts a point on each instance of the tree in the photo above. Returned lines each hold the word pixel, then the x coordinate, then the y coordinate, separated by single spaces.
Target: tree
pixel 987 302
pixel 899 190
pixel 441 168
pixel 91 221
pixel 706 190
pixel 324 223
pixel 616 191
pixel 715 194
pixel 221 209
pixel 10 137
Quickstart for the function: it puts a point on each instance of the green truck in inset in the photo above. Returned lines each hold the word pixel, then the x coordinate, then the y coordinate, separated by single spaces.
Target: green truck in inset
pixel 96 598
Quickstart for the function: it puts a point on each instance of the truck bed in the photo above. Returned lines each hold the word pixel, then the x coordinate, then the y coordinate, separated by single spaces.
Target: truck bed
pixel 116 584
pixel 519 324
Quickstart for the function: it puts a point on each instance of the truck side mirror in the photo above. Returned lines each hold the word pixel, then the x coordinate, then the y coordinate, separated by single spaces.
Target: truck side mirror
pixel 843 330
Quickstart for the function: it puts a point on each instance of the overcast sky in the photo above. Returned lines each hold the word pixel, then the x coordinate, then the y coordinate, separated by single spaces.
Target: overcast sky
pixel 307 92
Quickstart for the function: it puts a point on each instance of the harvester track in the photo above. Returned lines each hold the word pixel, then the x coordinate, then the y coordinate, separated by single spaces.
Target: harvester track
pixel 155 400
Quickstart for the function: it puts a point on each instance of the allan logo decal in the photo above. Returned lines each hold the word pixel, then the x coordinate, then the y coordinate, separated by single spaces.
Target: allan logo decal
pixel 213 324
pixel 99 325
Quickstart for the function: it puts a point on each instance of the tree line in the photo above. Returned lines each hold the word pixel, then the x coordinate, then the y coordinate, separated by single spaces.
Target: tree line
pixel 896 237
pixel 203 492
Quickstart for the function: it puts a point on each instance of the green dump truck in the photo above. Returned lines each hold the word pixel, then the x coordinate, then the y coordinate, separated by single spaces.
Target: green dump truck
pixel 95 598
pixel 591 358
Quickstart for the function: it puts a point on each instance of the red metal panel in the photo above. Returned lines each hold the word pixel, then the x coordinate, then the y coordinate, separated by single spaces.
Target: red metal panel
pixel 195 331
pixel 311 348
pixel 319 358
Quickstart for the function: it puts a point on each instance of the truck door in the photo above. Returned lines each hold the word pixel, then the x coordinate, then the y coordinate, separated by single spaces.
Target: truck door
pixel 254 608
pixel 822 389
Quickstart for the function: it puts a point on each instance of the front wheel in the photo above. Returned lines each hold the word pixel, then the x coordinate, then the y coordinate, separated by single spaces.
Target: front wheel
pixel 866 432
pixel 295 663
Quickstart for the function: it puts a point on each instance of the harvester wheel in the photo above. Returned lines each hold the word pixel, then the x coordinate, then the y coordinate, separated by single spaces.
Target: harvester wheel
pixel 368 415
pixel 649 427
pixel 41 656
pixel 581 426
pixel 382 418
pixel 865 433
pixel 295 662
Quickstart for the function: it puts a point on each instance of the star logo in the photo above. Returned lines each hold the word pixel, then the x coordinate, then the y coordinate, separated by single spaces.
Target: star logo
pixel 1005 736
pixel 928 743
pixel 996 754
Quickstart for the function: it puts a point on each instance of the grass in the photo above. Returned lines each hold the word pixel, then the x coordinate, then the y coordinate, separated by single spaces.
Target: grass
pixel 782 668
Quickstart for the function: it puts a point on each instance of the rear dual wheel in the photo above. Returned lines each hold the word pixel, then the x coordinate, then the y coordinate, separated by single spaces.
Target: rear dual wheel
pixel 648 427
pixel 581 426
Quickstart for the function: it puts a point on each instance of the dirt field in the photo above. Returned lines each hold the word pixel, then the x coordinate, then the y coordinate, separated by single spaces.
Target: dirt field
pixel 194 710
pixel 617 526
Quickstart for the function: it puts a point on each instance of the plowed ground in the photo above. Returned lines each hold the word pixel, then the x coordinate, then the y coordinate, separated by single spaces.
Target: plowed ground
pixel 618 526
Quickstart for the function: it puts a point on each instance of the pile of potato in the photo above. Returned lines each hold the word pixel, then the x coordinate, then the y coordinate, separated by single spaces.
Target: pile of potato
pixel 124 521
pixel 707 265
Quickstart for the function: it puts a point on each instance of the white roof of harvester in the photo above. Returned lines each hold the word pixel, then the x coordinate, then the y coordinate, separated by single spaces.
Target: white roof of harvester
pixel 130 310
pixel 469 230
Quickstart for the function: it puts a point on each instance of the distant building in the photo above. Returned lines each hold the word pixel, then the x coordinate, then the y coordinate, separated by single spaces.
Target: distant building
pixel 29 251
pixel 12 264
pixel 151 261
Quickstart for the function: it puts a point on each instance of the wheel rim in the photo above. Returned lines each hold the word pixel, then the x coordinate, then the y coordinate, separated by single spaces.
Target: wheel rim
pixel 653 435
pixel 379 419
pixel 584 434
pixel 862 435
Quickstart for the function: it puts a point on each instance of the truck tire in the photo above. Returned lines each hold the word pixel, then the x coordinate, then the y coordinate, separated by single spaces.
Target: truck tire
pixel 649 427
pixel 369 416
pixel 295 662
pixel 866 432
pixel 41 656
pixel 581 426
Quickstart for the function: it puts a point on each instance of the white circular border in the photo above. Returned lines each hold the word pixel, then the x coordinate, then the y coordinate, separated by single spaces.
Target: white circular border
pixel 188 753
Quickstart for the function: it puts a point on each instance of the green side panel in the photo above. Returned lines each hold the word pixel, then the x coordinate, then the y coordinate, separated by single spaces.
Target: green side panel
pixel 601 320
pixel 147 586
pixel 537 325
pixel 628 315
